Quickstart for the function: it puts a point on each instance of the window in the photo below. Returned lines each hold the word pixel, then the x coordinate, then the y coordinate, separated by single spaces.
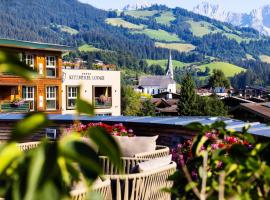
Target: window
pixel 29 60
pixel 28 94
pixel 51 94
pixel 51 66
pixel 102 97
pixel 72 94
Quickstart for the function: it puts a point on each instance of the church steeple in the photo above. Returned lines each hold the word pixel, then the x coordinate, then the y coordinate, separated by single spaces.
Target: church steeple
pixel 169 69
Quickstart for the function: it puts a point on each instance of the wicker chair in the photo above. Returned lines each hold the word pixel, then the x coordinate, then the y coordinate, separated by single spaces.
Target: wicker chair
pixel 160 151
pixel 129 163
pixel 103 188
pixel 28 145
pixel 143 186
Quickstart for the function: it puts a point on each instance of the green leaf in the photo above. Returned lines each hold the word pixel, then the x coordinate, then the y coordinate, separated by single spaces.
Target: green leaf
pixel 8 153
pixel 200 145
pixel 195 126
pixel 190 185
pixel 83 106
pixel 11 64
pixel 49 191
pixel 35 172
pixel 92 195
pixel 29 125
pixel 83 154
pixel 107 145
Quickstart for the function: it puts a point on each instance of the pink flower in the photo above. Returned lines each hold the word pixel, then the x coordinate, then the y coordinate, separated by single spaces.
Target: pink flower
pixel 214 146
pixel 208 134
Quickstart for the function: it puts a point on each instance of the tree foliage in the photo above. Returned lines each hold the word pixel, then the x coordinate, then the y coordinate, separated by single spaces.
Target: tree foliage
pixel 131 101
pixel 187 103
pixel 190 104
pixel 218 79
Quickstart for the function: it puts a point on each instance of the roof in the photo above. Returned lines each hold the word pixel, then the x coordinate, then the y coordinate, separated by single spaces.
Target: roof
pixel 171 109
pixel 168 102
pixel 157 81
pixel 34 45
pixel 256 128
pixel 261 109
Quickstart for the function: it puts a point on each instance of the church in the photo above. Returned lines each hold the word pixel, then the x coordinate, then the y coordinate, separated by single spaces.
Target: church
pixel 158 84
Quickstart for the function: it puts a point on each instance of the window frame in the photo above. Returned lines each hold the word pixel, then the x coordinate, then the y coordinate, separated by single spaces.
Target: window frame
pixel 94 97
pixel 26 94
pixel 72 97
pixel 50 98
pixel 25 58
pixel 49 66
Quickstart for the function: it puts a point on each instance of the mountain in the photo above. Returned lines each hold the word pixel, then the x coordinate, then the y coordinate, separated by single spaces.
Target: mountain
pixel 136 6
pixel 129 38
pixel 258 19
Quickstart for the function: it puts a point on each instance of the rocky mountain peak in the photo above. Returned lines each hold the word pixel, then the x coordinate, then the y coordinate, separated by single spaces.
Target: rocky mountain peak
pixel 258 19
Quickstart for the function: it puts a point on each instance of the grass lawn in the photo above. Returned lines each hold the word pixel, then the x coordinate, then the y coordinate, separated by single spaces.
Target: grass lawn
pixel 237 37
pixel 176 46
pixel 143 14
pixel 159 35
pixel 229 69
pixel 265 58
pixel 67 29
pixel 123 23
pixel 88 48
pixel 201 28
pixel 165 18
pixel 163 63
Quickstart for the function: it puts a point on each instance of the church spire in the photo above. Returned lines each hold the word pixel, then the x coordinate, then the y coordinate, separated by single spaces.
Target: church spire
pixel 169 69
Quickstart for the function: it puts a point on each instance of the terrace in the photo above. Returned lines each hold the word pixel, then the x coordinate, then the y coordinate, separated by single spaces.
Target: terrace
pixel 130 184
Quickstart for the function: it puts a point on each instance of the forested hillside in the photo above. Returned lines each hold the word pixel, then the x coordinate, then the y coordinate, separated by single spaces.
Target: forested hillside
pixel 132 38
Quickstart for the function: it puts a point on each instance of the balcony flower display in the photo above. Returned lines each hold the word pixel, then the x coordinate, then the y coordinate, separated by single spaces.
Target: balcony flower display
pixel 103 99
pixel 116 129
pixel 17 102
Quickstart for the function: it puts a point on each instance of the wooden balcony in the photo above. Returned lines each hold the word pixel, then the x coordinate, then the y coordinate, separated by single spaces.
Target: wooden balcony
pixel 9 107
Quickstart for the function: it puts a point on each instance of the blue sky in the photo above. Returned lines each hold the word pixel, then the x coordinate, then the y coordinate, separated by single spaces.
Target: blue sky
pixel 232 5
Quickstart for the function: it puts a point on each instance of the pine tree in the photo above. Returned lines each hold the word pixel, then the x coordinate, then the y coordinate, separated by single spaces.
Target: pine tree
pixel 187 103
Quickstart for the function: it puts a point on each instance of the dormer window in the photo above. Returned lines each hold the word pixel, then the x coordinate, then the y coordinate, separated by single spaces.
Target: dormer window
pixel 51 66
pixel 29 59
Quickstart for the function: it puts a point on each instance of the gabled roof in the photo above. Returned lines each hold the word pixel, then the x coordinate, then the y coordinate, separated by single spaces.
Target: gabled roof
pixel 34 45
pixel 157 81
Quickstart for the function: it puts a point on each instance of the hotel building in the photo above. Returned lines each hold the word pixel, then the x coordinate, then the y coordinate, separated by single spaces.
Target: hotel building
pixel 101 88
pixel 42 93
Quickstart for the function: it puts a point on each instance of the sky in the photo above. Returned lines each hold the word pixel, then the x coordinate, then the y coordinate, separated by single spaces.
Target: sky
pixel 230 5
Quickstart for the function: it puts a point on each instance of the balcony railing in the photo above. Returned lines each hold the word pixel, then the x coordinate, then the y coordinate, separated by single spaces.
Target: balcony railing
pixel 7 74
pixel 15 108
pixel 103 102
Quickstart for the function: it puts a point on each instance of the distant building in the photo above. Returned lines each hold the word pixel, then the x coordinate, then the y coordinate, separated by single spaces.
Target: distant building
pixel 252 112
pixel 100 65
pixel 165 107
pixel 158 84
pixel 44 92
pixel 78 63
pixel 101 88
pixel 221 92
pixel 254 92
